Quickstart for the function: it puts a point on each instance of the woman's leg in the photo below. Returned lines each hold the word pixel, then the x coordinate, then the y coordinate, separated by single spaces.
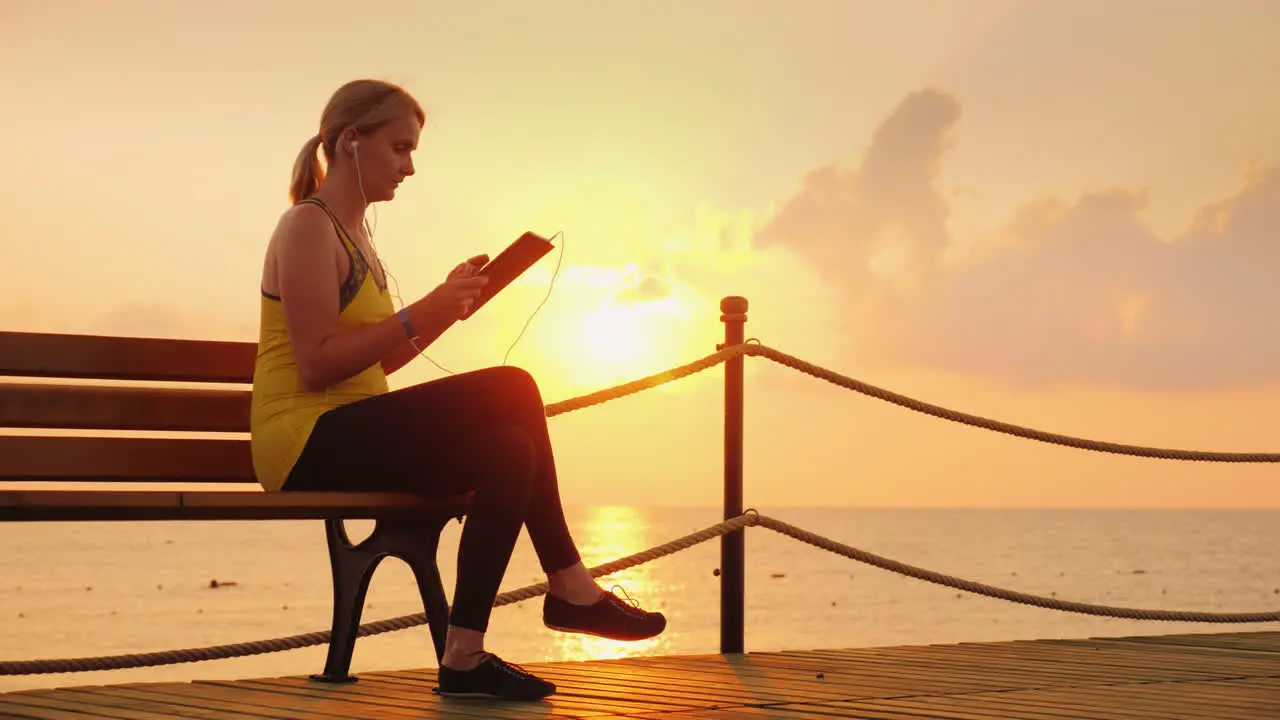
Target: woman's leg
pixel 549 533
pixel 504 464
pixel 483 432
pixel 575 603
pixel 437 439
pixel 520 402
pixel 466 433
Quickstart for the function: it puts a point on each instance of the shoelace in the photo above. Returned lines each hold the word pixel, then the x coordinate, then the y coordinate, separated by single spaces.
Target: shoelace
pixel 634 610
pixel 625 596
pixel 511 668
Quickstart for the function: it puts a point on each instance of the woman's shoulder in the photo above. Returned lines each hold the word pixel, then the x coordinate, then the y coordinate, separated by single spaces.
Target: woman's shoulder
pixel 301 223
pixel 304 217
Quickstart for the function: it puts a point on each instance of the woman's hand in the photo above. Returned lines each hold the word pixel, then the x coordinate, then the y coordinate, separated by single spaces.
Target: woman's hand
pixel 451 299
pixel 469 268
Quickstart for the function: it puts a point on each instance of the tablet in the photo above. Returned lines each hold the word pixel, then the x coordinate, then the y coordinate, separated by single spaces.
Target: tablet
pixel 510 264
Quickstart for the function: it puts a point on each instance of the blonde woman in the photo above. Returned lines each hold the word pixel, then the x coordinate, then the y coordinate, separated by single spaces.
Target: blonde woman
pixel 323 417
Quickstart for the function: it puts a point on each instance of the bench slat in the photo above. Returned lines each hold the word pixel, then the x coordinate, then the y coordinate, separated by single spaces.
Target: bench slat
pixel 99 459
pixel 63 505
pixel 85 407
pixel 25 354
pixel 25 458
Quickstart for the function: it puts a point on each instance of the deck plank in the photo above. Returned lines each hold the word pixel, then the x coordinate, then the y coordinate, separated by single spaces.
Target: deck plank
pixel 80 705
pixel 1226 676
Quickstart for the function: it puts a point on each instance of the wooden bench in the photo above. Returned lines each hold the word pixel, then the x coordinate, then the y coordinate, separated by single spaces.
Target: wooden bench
pixel 214 399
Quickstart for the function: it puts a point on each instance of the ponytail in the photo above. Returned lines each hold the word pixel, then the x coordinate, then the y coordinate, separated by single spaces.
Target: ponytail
pixel 308 175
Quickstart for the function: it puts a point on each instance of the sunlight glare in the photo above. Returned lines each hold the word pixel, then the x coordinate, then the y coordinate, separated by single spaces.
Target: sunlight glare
pixel 613 532
pixel 612 334
pixel 621 340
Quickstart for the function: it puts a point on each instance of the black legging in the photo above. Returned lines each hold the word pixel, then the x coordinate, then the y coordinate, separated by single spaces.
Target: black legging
pixel 483 431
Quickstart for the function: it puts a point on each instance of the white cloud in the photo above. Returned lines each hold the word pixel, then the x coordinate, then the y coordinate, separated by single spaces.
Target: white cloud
pixel 1067 292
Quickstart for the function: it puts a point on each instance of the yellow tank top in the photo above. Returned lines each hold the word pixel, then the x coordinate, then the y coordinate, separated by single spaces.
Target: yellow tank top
pixel 283 412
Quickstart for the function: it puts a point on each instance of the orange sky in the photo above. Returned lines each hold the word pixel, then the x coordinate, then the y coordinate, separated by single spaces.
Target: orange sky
pixel 1055 214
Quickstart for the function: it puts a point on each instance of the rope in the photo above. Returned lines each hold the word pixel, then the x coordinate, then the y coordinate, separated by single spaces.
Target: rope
pixel 1003 427
pixel 1010 595
pixel 293 642
pixel 755 348
pixel 647 382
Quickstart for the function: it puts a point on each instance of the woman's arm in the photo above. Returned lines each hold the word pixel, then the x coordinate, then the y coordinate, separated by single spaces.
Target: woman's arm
pixel 404 353
pixel 308 279
pixel 398 358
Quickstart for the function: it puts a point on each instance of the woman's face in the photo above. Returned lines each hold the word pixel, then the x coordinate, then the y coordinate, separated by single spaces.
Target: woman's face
pixel 386 157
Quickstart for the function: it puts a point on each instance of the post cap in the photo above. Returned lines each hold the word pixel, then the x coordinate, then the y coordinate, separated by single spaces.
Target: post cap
pixel 733 304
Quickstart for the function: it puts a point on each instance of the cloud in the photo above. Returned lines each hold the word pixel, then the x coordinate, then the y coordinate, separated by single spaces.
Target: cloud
pixel 1087 293
pixel 1068 292
pixel 845 219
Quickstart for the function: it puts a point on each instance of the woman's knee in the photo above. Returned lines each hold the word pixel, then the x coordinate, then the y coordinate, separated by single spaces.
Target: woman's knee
pixel 516 388
pixel 512 380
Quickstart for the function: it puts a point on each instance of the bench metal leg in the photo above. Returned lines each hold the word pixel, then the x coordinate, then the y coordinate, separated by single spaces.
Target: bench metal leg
pixel 412 539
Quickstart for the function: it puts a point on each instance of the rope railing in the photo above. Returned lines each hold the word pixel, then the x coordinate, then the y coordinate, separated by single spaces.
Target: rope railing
pixel 1003 427
pixel 749 518
pixel 1011 595
pixel 756 349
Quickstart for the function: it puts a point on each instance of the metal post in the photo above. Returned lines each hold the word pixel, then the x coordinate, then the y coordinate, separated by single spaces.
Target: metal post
pixel 733 313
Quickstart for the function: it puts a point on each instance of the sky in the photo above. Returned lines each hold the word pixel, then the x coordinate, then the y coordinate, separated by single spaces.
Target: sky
pixel 1060 215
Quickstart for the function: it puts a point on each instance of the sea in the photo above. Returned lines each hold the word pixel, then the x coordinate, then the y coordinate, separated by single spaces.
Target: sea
pixel 87 589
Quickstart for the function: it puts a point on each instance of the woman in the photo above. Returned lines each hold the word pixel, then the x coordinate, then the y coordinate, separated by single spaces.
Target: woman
pixel 323 417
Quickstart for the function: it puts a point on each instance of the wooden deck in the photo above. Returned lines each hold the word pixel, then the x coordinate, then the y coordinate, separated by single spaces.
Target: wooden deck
pixel 1184 677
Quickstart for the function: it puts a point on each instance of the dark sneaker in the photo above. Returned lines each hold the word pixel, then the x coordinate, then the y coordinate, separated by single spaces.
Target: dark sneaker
pixel 493 678
pixel 609 617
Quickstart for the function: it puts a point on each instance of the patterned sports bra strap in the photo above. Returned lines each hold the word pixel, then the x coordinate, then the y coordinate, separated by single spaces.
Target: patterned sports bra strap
pixel 337 227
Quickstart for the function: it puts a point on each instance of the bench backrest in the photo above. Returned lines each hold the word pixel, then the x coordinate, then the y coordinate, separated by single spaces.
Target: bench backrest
pixel 218 402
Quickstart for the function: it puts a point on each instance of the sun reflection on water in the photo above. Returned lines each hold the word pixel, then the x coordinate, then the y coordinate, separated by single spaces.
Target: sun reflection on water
pixel 608 533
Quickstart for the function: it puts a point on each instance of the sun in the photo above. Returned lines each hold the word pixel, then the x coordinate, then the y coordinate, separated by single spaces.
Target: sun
pixel 612 335
pixel 620 340
pixel 615 325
